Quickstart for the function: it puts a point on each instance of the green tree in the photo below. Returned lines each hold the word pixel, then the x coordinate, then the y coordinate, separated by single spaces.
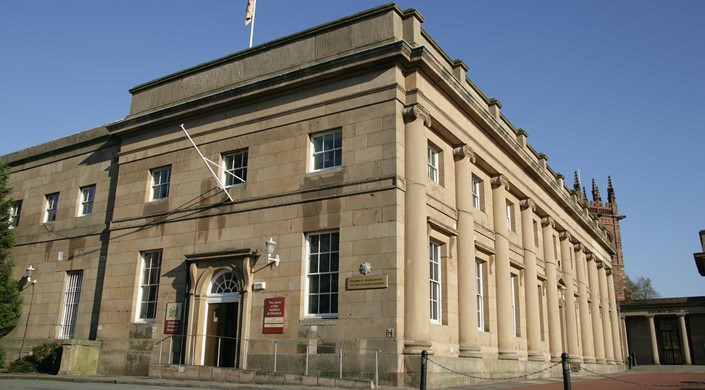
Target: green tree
pixel 10 300
pixel 642 288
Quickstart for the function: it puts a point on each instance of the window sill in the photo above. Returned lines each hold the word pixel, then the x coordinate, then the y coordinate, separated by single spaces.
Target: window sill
pixel 317 320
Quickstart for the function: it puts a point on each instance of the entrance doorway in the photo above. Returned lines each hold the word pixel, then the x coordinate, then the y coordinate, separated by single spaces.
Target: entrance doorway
pixel 221 334
pixel 221 342
pixel 669 341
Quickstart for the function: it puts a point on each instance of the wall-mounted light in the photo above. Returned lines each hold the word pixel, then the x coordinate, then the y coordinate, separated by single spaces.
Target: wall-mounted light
pixel 271 246
pixel 28 274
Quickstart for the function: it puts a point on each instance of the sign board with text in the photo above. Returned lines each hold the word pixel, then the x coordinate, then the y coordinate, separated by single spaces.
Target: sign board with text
pixel 274 315
pixel 173 322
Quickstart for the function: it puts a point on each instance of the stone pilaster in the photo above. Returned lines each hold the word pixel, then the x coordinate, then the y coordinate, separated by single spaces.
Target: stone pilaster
pixel 416 269
pixel 554 319
pixel 606 322
pixel 533 322
pixel 467 286
pixel 585 323
pixel 505 337
pixel 684 338
pixel 614 318
pixel 571 318
pixel 597 332
pixel 652 334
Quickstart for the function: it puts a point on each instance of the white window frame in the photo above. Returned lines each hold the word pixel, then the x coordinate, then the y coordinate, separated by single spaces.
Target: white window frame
pixel 323 146
pixel 432 162
pixel 510 216
pixel 480 286
pixel 435 297
pixel 476 193
pixel 159 182
pixel 235 175
pixel 72 297
pixel 316 273
pixel 15 210
pixel 51 205
pixel 150 277
pixel 87 200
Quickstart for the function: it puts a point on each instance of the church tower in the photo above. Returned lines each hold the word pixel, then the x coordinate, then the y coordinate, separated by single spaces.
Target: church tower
pixel 609 217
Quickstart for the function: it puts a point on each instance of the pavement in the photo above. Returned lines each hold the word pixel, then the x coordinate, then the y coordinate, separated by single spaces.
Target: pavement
pixel 682 377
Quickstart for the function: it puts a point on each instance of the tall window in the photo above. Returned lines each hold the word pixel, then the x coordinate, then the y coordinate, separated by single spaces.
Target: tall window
pixel 536 234
pixel 15 210
pixel 322 275
pixel 52 203
pixel 87 198
pixel 510 216
pixel 72 295
pixel 515 304
pixel 433 164
pixel 480 280
pixel 327 150
pixel 476 193
pixel 235 167
pixel 435 280
pixel 556 252
pixel 161 177
pixel 541 323
pixel 149 285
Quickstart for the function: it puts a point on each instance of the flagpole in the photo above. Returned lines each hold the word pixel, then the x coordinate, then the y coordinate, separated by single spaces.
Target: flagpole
pixel 252 27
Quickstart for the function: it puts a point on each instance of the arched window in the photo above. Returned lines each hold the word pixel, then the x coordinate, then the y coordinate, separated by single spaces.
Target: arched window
pixel 224 283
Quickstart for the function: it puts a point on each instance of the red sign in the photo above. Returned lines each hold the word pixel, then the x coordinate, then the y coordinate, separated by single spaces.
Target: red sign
pixel 172 320
pixel 273 315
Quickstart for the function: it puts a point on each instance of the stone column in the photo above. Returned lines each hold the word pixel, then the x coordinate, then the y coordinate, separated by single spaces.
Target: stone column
pixel 597 333
pixel 585 324
pixel 614 318
pixel 533 323
pixel 554 319
pixel 684 337
pixel 416 269
pixel 605 302
pixel 571 319
pixel 505 337
pixel 467 285
pixel 654 345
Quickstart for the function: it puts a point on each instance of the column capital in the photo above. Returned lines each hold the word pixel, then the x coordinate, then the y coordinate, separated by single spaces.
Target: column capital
pixel 589 256
pixel 416 111
pixel 578 246
pixel 528 203
pixel 546 221
pixel 600 263
pixel 500 181
pixel 608 271
pixel 565 235
pixel 464 151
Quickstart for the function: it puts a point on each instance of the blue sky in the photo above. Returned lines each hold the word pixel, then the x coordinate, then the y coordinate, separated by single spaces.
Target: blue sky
pixel 605 87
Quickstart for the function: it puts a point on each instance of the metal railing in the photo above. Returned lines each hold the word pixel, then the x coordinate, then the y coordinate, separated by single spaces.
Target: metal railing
pixel 278 356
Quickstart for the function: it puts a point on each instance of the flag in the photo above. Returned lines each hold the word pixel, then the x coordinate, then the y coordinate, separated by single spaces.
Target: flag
pixel 250 11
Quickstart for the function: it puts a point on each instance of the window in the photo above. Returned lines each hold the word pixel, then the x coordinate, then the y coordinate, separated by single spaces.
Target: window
pixel 556 253
pixel 149 285
pixel 235 168
pixel 480 278
pixel 327 150
pixel 541 323
pixel 515 304
pixel 72 295
pixel 476 193
pixel 536 234
pixel 435 280
pixel 15 210
pixel 510 216
pixel 322 275
pixel 433 164
pixel 160 183
pixel 52 203
pixel 87 198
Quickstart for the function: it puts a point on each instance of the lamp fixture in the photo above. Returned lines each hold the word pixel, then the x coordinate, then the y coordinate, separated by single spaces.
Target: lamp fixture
pixel 28 274
pixel 271 245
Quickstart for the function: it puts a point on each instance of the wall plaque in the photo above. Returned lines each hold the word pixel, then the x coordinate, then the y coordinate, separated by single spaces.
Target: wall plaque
pixel 274 315
pixel 367 282
pixel 172 322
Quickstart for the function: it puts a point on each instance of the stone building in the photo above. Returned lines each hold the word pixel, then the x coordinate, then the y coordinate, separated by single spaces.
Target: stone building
pixel 409 214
